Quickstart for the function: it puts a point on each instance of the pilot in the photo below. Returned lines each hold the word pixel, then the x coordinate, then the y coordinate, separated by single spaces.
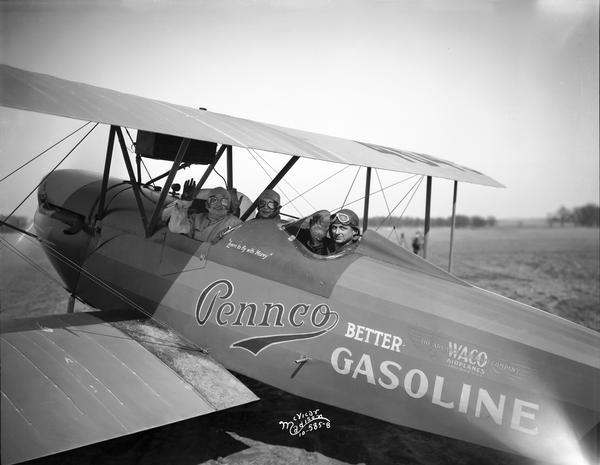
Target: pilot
pixel 269 204
pixel 344 232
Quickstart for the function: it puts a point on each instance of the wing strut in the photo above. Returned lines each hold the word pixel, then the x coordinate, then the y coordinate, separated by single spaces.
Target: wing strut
pixel 209 169
pixel 229 167
pixel 291 162
pixel 452 226
pixel 427 217
pixel 367 194
pixel 107 162
pixel 165 190
pixel 134 184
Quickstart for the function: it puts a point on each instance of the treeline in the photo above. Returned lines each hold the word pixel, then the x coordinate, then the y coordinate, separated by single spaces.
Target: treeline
pixel 18 221
pixel 461 221
pixel 586 215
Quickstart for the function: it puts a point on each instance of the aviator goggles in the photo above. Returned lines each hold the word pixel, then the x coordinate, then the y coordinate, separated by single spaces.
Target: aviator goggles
pixel 212 201
pixel 267 203
pixel 341 218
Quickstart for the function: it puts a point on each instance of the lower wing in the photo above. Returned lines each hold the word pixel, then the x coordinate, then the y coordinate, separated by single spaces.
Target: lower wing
pixel 76 379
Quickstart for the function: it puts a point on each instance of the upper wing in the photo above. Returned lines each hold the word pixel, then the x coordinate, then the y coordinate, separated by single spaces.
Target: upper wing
pixel 72 380
pixel 43 93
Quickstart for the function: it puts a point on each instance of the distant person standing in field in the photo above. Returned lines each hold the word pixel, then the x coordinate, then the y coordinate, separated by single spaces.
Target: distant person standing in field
pixel 402 241
pixel 417 243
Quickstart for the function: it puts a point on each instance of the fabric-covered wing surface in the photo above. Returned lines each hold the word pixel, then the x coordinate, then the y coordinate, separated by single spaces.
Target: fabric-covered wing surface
pixel 72 380
pixel 48 94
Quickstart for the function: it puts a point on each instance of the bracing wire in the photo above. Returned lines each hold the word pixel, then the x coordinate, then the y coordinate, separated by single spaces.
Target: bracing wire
pixel 92 278
pixel 55 253
pixel 319 183
pixel 386 202
pixel 269 176
pixel 414 187
pixel 285 181
pixel 31 262
pixel 290 185
pixel 380 190
pixel 351 186
pixel 70 263
pixel 57 165
pixel 411 197
pixel 44 151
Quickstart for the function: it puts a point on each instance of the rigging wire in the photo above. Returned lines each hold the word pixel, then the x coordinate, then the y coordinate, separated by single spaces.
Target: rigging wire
pixel 411 197
pixel 269 176
pixel 351 186
pixel 319 183
pixel 380 190
pixel 290 185
pixel 54 252
pixel 386 203
pixel 59 163
pixel 96 280
pixel 415 186
pixel 44 151
pixel 30 261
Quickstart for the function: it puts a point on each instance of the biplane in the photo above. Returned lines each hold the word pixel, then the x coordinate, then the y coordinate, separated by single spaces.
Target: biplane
pixel 381 332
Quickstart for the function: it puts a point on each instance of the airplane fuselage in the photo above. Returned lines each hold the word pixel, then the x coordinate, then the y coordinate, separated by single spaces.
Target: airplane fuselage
pixel 380 332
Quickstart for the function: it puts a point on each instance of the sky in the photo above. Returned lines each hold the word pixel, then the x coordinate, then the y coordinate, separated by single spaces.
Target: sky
pixel 506 87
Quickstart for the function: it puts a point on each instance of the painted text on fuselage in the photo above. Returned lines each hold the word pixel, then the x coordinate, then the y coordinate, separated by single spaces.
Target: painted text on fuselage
pixel 519 414
pixel 306 320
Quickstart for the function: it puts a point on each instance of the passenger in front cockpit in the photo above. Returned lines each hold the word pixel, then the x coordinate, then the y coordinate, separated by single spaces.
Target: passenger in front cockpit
pixel 269 204
pixel 213 224
pixel 315 238
pixel 206 226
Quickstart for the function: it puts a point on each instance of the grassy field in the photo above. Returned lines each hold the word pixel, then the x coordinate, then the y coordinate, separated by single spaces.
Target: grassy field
pixel 554 269
pixel 557 270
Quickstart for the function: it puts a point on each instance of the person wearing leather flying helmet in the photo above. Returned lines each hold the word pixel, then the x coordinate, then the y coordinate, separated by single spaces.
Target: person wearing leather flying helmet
pixel 213 224
pixel 344 231
pixel 269 204
pixel 206 226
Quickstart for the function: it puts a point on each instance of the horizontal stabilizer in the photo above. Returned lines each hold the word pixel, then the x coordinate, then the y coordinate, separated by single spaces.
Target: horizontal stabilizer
pixel 72 380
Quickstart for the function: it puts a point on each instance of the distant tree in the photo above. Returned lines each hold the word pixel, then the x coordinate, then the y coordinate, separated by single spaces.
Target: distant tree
pixel 587 215
pixel 564 215
pixel 491 221
pixel 478 221
pixel 551 218
pixel 462 221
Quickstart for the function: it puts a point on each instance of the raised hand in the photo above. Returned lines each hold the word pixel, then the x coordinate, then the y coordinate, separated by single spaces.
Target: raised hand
pixel 319 224
pixel 189 189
